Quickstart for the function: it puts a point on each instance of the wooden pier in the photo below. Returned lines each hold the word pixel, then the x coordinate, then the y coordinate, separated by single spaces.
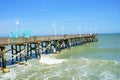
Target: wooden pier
pixel 23 49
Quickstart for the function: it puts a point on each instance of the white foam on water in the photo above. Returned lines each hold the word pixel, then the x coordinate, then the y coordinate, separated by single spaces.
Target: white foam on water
pixel 116 62
pixel 73 78
pixel 9 76
pixel 107 75
pixel 48 59
pixel 88 61
pixel 31 75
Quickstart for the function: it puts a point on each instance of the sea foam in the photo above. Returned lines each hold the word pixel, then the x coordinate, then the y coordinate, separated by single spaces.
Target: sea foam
pixel 49 59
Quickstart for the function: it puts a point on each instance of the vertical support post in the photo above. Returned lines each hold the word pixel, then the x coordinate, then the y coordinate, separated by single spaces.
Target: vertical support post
pixel 0 60
pixel 42 47
pixel 28 50
pixel 12 53
pixel 5 69
pixel 69 43
pixel 20 55
pixel 31 51
pixel 74 41
pixel 46 45
pixel 55 45
pixel 51 47
pixel 25 52
pixel 16 54
pixel 3 57
pixel 39 50
pixel 35 48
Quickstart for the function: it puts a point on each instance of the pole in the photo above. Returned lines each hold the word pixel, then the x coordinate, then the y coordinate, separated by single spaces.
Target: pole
pixel 53 25
pixel 12 54
pixel 16 54
pixel 5 69
pixel 0 61
pixel 20 55
pixel 25 52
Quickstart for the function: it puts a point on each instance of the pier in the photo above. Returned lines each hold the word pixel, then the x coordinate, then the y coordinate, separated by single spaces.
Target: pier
pixel 23 49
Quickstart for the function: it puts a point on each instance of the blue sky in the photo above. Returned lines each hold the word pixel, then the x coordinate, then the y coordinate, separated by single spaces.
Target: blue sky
pixel 77 16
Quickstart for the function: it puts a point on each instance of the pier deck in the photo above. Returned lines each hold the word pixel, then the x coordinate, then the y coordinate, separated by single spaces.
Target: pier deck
pixel 23 48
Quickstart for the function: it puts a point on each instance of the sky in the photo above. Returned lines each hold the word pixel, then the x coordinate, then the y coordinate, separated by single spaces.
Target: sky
pixel 45 17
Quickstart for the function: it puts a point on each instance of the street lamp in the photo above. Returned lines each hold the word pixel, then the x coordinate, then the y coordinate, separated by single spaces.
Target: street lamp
pixel 79 30
pixel 17 23
pixel 53 25
pixel 62 29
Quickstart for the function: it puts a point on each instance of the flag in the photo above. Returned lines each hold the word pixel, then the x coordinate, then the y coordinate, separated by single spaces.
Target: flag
pixel 17 22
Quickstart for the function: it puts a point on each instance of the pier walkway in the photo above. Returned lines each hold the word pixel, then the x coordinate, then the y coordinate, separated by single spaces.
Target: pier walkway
pixel 22 49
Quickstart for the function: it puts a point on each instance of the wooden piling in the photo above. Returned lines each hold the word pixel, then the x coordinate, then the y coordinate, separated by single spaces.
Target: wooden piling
pixel 42 46
pixel 30 50
pixel 39 50
pixel 35 49
pixel 0 61
pixel 16 52
pixel 12 49
pixel 5 69
pixel 20 55
pixel 25 52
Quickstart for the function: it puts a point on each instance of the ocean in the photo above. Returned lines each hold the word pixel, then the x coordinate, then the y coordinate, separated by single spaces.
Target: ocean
pixel 92 61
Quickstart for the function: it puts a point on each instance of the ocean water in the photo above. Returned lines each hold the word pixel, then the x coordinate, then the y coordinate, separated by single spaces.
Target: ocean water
pixel 93 61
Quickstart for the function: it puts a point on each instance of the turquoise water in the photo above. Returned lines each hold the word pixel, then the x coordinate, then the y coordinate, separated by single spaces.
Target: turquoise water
pixel 93 61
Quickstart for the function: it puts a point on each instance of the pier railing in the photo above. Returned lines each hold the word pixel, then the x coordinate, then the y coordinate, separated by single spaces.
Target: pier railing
pixel 34 39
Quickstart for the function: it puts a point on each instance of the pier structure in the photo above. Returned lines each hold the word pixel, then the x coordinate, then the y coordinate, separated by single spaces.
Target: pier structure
pixel 23 49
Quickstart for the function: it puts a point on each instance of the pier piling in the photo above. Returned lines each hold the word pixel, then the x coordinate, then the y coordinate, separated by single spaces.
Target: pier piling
pixel 4 68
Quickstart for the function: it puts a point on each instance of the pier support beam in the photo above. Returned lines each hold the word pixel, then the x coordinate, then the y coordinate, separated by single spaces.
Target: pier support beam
pixel 25 53
pixel 39 50
pixel 16 49
pixel 0 61
pixel 35 49
pixel 31 51
pixel 28 50
pixel 12 53
pixel 21 63
pixel 5 69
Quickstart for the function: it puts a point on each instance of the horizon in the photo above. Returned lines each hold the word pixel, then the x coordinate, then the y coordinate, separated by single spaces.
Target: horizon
pixel 60 35
pixel 44 17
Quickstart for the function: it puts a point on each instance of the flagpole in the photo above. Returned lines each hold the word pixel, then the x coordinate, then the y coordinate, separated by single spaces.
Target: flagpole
pixel 17 23
pixel 53 25
pixel 62 29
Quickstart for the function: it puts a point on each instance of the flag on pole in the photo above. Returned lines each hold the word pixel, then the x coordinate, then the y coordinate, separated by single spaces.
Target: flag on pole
pixel 17 22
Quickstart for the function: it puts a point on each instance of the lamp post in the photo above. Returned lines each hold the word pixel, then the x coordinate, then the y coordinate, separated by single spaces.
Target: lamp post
pixel 79 30
pixel 62 29
pixel 53 25
pixel 17 23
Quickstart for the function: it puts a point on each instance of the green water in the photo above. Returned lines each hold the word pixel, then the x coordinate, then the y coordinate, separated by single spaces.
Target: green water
pixel 93 61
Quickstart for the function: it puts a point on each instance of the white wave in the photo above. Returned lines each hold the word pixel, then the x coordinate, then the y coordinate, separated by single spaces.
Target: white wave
pixel 116 62
pixel 49 59
pixel 9 76
pixel 107 75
